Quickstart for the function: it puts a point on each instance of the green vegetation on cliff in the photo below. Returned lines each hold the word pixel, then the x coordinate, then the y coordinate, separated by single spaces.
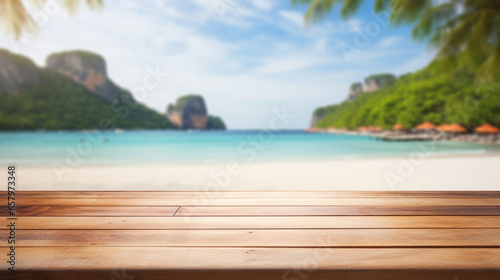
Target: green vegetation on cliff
pixel 182 101
pixel 383 79
pixel 21 61
pixel 215 123
pixel 58 103
pixel 427 95
pixel 321 112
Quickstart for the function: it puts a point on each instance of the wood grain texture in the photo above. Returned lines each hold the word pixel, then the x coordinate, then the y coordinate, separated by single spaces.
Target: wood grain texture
pixel 297 222
pixel 138 211
pixel 291 238
pixel 296 274
pixel 92 211
pixel 255 235
pixel 190 201
pixel 339 211
pixel 170 258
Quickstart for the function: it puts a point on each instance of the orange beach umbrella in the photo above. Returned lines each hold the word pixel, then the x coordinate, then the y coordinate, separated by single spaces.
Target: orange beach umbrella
pixel 426 125
pixel 456 128
pixel 487 128
pixel 443 127
pixel 398 126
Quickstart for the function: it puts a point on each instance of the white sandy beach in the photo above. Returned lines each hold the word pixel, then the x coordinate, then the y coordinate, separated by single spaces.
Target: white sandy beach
pixel 481 172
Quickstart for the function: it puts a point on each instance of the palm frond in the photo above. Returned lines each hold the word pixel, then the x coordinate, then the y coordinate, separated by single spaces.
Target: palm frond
pixel 350 7
pixel 492 64
pixel 16 19
pixel 433 19
pixel 453 40
pixel 476 45
pixel 319 9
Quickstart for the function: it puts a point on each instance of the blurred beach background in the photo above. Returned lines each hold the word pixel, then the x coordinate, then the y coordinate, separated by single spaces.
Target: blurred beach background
pixel 243 160
pixel 260 95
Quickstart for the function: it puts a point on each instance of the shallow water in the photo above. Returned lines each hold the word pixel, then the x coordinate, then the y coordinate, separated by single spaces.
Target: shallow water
pixel 206 147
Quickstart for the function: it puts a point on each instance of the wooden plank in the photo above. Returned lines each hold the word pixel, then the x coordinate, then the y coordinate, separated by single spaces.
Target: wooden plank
pixel 298 222
pixel 340 211
pixel 327 235
pixel 189 201
pixel 290 274
pixel 319 238
pixel 171 258
pixel 159 211
pixel 92 211
pixel 135 211
pixel 249 194
pixel 295 274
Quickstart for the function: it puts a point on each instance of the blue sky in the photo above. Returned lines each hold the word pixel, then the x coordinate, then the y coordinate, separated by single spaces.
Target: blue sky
pixel 245 57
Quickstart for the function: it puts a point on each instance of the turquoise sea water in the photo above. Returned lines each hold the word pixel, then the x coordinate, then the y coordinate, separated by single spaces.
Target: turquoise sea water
pixel 198 147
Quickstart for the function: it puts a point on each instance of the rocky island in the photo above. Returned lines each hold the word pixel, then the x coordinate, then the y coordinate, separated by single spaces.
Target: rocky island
pixel 72 92
pixel 190 112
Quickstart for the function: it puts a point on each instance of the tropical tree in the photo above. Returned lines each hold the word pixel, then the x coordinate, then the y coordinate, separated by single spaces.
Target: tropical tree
pixel 16 19
pixel 469 28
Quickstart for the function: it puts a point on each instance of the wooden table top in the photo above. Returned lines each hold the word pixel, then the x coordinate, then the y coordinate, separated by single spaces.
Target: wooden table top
pixel 252 235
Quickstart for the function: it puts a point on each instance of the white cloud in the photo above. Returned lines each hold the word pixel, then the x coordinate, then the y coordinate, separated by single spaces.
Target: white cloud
pixel 293 17
pixel 264 5
pixel 390 41
pixel 353 25
pixel 286 64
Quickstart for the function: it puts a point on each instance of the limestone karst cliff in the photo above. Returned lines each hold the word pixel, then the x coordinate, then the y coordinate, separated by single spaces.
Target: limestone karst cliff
pixel 378 81
pixel 16 73
pixel 88 69
pixel 190 112
pixel 371 83
pixel 355 90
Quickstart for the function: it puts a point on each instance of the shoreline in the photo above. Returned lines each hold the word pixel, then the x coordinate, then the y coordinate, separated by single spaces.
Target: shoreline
pixel 486 139
pixel 482 154
pixel 436 172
